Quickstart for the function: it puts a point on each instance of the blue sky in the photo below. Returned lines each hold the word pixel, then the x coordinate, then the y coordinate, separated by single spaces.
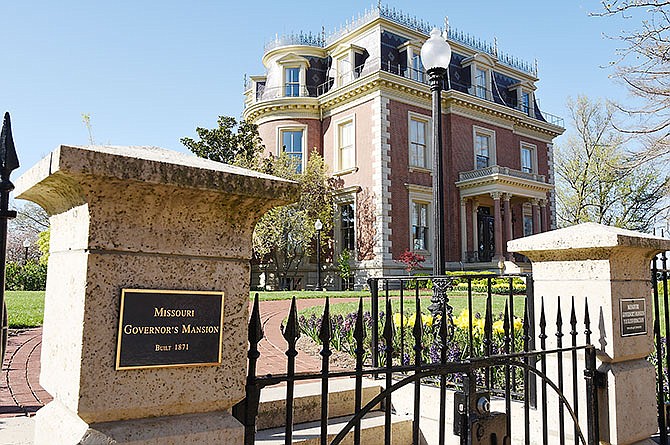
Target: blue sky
pixel 148 72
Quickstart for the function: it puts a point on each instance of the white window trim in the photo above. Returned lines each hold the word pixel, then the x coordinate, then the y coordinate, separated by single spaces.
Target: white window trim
pixel 492 149
pixel 423 195
pixel 342 197
pixel 533 156
pixel 302 77
pixel 429 141
pixel 487 71
pixel 336 146
pixel 302 128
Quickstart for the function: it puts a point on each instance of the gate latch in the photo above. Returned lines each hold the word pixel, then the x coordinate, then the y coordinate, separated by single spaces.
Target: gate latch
pixel 483 426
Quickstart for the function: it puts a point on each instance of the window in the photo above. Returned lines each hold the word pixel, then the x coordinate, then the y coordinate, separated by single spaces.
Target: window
pixel 525 102
pixel 347 227
pixel 480 83
pixel 482 149
pixel 527 158
pixel 419 225
pixel 345 145
pixel 527 225
pixel 484 142
pixel 291 143
pixel 344 70
pixel 417 68
pixel 418 147
pixel 292 82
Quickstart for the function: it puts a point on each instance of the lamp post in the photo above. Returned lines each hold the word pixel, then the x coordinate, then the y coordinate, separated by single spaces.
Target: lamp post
pixel 435 56
pixel 318 225
pixel 26 245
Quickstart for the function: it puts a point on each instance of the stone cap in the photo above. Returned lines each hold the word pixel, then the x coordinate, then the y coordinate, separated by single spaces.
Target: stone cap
pixel 590 237
pixel 153 165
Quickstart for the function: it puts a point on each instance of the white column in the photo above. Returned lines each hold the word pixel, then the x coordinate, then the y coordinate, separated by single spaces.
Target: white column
pixel 497 226
pixel 535 203
pixel 543 215
pixel 475 231
pixel 508 220
pixel 464 230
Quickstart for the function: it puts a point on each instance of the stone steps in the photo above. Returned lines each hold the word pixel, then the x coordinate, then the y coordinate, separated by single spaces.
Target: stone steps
pixel 307 414
pixel 372 431
pixel 307 401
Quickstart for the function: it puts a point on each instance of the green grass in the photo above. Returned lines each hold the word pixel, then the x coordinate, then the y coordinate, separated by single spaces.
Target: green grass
pixel 306 294
pixel 25 309
pixel 458 302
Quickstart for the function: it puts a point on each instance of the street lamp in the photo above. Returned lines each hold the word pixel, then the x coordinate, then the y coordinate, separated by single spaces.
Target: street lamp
pixel 318 225
pixel 435 56
pixel 26 244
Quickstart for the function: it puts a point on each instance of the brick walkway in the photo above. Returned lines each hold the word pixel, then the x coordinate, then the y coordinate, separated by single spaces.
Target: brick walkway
pixel 20 391
pixel 21 394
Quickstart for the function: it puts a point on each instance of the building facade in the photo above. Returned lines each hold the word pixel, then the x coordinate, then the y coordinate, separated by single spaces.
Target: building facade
pixel 360 98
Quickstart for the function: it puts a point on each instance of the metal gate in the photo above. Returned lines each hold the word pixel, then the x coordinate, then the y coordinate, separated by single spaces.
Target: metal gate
pixel 477 354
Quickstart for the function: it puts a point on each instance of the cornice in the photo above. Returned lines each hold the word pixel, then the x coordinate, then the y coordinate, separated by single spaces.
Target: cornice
pixel 498 182
pixel 409 91
pixel 292 107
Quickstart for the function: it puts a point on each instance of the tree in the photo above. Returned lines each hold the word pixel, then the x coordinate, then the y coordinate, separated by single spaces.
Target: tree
pixel 285 235
pixel 643 66
pixel 595 180
pixel 232 142
pixel 30 223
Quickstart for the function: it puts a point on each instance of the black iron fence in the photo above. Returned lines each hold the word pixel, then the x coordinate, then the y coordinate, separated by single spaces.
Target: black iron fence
pixel 486 349
pixel 660 357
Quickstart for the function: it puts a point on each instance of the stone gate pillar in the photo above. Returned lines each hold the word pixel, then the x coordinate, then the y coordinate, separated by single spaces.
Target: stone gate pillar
pixel 610 268
pixel 149 219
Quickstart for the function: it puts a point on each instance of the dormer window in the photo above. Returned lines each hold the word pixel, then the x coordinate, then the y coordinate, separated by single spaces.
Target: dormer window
pixel 292 82
pixel 481 66
pixel 480 84
pixel 524 97
pixel 414 67
pixel 525 102
pixel 349 63
pixel 294 72
pixel 417 72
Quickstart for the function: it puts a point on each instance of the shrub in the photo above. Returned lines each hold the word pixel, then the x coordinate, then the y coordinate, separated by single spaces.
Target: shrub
pixel 31 276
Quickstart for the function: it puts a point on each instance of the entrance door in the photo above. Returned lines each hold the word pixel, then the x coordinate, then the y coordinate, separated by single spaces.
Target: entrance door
pixel 485 234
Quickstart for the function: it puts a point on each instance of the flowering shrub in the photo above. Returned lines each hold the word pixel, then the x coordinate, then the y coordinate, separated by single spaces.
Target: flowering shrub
pixel 411 260
pixel 343 335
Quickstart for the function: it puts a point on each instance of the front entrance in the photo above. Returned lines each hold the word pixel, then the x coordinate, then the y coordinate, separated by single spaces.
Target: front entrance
pixel 485 234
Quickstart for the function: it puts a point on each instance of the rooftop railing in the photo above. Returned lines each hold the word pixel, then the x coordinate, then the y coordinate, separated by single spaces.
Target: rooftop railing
pixel 383 11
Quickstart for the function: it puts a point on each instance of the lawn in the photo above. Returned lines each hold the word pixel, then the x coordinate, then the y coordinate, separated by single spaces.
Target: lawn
pixel 25 309
pixel 458 302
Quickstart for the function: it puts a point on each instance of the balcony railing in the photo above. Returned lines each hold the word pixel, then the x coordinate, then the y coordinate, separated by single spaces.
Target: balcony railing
pixel 372 65
pixel 496 169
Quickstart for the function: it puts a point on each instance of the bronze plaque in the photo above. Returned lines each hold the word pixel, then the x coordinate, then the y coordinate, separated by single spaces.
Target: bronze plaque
pixel 633 317
pixel 169 328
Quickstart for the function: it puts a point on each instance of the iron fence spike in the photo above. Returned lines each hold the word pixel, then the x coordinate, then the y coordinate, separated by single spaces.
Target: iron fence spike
pixel 291 330
pixel 359 329
pixel 8 158
pixel 559 320
pixel 255 325
pixel 325 331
